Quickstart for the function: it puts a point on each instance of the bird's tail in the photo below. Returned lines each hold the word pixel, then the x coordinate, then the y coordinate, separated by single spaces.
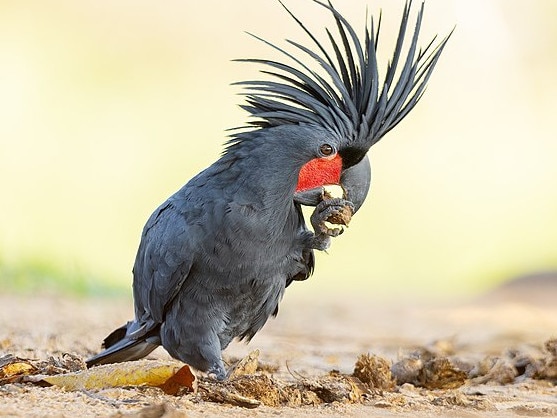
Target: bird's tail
pixel 127 343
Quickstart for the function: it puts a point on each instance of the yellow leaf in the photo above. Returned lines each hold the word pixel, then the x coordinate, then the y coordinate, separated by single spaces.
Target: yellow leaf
pixel 13 368
pixel 133 373
pixel 18 368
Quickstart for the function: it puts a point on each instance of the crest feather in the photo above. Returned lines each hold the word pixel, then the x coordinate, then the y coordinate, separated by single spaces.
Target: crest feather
pixel 347 97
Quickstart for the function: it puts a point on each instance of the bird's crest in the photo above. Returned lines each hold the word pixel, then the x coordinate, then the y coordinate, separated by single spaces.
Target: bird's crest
pixel 349 97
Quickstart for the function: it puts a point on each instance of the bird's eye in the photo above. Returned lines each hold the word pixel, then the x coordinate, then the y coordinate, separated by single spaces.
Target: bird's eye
pixel 326 150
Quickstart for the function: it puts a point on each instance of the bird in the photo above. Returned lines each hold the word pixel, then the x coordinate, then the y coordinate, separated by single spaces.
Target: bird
pixel 215 259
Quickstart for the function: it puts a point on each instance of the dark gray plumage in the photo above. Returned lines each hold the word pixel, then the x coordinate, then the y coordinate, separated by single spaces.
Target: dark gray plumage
pixel 215 258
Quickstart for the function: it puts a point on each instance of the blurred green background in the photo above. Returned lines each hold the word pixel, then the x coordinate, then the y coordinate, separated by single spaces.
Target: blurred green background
pixel 108 107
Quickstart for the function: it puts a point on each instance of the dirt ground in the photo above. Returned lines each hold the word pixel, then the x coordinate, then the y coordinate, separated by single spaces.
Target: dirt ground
pixel 497 349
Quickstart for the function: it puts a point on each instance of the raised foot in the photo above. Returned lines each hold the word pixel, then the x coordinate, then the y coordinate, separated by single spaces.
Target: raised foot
pixel 330 211
pixel 334 211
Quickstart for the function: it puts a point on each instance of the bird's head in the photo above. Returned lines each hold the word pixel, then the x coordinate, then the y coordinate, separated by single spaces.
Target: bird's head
pixel 346 99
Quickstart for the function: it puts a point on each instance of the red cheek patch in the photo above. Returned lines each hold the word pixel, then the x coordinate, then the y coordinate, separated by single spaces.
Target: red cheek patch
pixel 319 172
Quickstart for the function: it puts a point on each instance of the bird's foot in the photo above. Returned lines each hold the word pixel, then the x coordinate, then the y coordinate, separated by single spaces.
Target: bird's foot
pixel 331 211
pixel 217 371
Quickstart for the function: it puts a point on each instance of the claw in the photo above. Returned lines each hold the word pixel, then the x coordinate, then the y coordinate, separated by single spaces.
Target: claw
pixel 334 232
pixel 217 372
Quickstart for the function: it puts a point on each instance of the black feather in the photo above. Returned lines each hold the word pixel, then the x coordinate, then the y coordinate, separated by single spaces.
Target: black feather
pixel 348 98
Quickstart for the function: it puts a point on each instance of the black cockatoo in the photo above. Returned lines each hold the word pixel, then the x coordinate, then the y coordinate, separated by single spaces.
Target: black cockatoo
pixel 215 258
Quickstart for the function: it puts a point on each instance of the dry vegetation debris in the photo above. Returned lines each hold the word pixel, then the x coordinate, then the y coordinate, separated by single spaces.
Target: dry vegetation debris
pixel 433 373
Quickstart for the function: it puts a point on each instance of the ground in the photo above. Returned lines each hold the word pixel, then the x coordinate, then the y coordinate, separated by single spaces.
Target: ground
pixel 497 344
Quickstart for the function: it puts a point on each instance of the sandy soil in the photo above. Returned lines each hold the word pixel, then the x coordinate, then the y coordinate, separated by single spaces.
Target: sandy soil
pixel 311 337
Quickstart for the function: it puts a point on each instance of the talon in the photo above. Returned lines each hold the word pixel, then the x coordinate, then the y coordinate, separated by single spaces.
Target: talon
pixel 217 372
pixel 334 232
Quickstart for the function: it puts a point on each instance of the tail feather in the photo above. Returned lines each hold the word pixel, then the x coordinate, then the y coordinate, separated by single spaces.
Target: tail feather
pixel 115 336
pixel 122 345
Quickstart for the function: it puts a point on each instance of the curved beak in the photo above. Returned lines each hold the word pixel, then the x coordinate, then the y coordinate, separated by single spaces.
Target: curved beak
pixel 356 181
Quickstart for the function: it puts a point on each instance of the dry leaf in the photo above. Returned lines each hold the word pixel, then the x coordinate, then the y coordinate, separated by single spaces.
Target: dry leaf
pixel 133 373
pixel 12 368
pixel 248 365
pixel 182 379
